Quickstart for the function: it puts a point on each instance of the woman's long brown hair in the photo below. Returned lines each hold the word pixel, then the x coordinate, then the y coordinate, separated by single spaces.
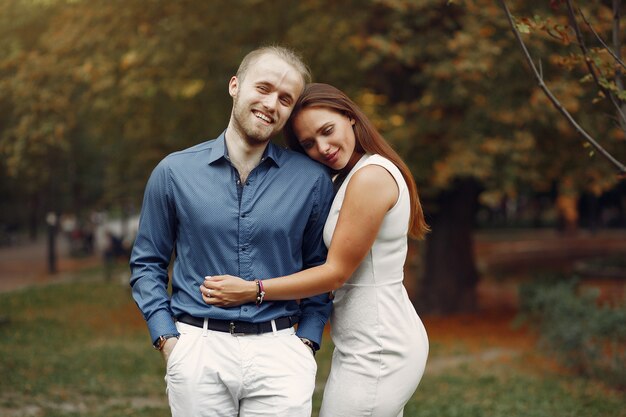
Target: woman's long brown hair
pixel 368 140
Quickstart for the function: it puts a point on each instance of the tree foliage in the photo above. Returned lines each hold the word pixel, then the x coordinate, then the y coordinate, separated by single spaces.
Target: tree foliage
pixel 607 76
pixel 458 99
pixel 448 85
pixel 94 93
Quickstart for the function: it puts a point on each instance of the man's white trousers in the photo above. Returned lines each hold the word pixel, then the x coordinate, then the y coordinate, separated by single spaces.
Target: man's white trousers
pixel 216 374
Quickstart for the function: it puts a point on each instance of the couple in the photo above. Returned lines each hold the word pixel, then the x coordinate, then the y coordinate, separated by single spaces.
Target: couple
pixel 240 206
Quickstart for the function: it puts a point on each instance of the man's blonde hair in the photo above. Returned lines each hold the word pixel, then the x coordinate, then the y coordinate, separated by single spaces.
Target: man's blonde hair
pixel 289 56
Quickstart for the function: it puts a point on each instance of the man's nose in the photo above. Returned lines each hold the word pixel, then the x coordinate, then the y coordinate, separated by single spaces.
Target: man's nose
pixel 270 100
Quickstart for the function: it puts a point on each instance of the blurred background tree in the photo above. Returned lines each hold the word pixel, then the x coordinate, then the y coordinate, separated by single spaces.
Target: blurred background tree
pixel 94 93
pixel 458 102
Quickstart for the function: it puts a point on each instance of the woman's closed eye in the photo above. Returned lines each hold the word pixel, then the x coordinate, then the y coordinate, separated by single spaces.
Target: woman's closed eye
pixel 307 144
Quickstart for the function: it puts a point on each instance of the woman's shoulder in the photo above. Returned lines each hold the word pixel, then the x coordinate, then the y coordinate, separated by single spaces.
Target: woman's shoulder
pixel 374 182
pixel 376 159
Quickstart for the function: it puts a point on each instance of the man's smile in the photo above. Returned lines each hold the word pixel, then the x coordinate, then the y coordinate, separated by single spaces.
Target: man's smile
pixel 263 117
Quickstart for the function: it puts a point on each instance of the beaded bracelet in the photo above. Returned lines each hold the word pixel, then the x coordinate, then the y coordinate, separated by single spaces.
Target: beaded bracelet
pixel 260 292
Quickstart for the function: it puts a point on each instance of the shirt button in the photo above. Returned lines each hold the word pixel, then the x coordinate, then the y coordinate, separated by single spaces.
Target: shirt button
pixel 245 309
pixel 243 215
pixel 247 182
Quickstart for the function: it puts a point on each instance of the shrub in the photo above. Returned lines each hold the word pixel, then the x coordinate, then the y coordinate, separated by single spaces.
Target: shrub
pixel 584 335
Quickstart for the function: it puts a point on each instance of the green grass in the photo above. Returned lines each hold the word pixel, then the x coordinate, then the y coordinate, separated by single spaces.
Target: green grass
pixel 82 349
pixel 498 390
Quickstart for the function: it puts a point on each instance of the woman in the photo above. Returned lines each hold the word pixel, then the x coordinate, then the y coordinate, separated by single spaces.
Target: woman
pixel 380 343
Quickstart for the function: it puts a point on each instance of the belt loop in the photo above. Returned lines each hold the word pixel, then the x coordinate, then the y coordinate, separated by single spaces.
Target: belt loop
pixel 205 327
pixel 274 327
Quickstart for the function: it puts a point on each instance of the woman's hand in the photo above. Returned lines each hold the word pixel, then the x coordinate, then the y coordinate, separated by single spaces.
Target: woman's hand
pixel 227 291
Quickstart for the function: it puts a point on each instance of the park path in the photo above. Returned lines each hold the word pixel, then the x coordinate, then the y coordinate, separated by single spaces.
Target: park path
pixel 510 250
pixel 25 264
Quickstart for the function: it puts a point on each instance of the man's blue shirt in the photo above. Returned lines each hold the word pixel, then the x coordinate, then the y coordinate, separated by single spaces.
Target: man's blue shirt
pixel 196 208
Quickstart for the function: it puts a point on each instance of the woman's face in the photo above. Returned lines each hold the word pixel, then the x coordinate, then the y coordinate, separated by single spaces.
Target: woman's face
pixel 326 136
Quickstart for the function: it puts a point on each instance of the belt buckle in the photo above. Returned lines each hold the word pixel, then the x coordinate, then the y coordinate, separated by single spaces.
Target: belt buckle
pixel 231 329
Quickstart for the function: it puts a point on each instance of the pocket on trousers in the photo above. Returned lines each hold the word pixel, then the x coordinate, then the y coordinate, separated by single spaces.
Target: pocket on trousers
pixel 304 351
pixel 174 354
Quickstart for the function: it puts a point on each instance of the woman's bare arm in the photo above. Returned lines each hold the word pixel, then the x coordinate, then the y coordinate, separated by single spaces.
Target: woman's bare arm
pixel 371 192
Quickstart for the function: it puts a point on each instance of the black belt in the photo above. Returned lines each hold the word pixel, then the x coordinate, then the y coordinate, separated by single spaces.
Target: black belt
pixel 239 327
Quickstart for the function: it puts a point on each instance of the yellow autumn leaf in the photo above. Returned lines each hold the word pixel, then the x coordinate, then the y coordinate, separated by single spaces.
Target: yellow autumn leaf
pixel 523 27
pixel 192 88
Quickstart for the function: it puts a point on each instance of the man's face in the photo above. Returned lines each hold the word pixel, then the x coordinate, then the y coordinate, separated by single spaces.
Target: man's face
pixel 264 98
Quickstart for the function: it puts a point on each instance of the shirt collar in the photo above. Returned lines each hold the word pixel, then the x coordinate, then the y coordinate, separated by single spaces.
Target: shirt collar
pixel 219 150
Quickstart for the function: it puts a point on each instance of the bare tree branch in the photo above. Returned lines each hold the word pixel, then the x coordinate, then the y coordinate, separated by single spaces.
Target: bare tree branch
pixel 617 45
pixel 621 168
pixel 590 64
pixel 599 38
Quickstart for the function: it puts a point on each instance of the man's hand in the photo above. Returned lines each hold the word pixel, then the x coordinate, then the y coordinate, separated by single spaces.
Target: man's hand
pixel 168 347
pixel 227 291
pixel 308 344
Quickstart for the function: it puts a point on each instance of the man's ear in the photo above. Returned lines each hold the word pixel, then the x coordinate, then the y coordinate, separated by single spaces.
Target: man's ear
pixel 233 86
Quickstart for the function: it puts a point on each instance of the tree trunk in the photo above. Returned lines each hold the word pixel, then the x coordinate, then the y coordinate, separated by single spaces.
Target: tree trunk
pixel 450 275
pixel 52 220
pixel 33 217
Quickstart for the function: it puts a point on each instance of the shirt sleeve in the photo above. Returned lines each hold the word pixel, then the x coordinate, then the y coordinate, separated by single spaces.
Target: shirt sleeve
pixel 316 310
pixel 152 252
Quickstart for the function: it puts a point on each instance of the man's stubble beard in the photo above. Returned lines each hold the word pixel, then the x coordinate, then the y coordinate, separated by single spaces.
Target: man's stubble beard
pixel 245 127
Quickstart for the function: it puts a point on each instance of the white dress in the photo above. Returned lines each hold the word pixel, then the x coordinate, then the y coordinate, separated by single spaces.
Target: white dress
pixel 381 345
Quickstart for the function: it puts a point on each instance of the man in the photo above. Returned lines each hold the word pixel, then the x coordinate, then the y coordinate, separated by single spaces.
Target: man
pixel 236 205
